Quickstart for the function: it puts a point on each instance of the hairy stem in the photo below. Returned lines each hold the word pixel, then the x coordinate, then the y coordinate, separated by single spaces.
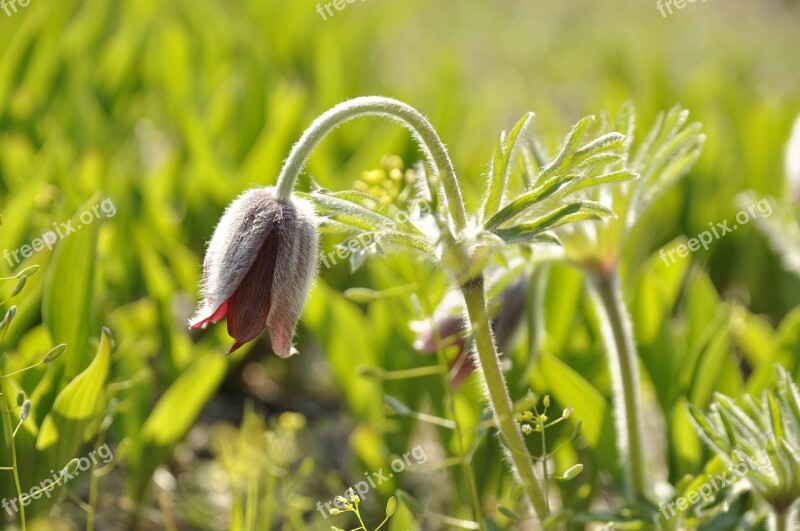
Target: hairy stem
pixel 620 345
pixel 466 468
pixel 499 399
pixel 430 143
pixel 783 521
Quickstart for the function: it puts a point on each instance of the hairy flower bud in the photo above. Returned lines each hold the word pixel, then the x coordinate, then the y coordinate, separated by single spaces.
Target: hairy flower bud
pixel 258 269
pixel 449 324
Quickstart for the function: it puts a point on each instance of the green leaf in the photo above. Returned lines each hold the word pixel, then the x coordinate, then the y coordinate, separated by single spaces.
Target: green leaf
pixel 569 213
pixel 347 212
pixel 508 513
pixel 775 417
pixel 599 146
pixel 76 407
pixel 410 502
pixel 394 237
pixel 569 387
pixel 521 204
pixel 589 181
pixel 505 152
pixel 180 404
pixel 686 448
pixel 67 300
pixel 569 146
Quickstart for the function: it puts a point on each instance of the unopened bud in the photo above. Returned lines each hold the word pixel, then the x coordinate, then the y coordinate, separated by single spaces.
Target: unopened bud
pixel 55 353
pixel 258 269
pixel 25 411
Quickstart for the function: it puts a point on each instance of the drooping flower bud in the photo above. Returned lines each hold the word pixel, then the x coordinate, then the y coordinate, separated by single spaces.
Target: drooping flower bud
pixel 258 269
pixel 451 329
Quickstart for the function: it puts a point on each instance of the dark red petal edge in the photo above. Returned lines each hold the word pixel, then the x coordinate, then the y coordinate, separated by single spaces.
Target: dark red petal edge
pixel 218 315
pixel 250 303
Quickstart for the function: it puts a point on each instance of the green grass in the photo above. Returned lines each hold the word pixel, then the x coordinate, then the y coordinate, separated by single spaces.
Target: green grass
pixel 171 109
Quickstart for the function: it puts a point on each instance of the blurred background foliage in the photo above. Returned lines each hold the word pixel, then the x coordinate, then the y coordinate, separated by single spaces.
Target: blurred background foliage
pixel 171 109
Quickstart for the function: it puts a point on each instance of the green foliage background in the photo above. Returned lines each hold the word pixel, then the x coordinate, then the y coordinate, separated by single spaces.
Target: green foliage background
pixel 173 108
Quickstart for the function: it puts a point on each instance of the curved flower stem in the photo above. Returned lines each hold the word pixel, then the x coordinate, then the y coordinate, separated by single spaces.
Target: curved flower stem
pixel 498 396
pixel 620 345
pixel 430 143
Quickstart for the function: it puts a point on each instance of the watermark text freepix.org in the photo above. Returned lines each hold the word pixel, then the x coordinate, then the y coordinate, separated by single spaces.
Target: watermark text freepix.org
pixel 338 5
pixel 668 4
pixel 374 479
pixel 362 242
pixel 47 486
pixel 10 6
pixel 763 208
pixel 714 484
pixel 60 231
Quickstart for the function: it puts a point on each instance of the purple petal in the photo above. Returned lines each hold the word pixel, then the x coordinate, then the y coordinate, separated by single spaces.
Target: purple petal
pixel 250 304
pixel 237 239
pixel 297 249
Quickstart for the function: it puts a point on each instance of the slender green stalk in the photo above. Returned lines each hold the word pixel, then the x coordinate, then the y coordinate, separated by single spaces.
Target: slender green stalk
pixel 783 521
pixel 8 428
pixel 498 396
pixel 92 505
pixel 92 500
pixel 544 466
pixel 466 469
pixel 430 143
pixel 621 348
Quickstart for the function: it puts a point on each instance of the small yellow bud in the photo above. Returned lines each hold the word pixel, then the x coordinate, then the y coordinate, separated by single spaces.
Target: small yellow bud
pixel 567 413
pixel 355 499
pixel 526 429
pixel 396 175
pixel 392 162
pixel 373 176
pixel 527 415
pixel 341 499
pixel 335 511
pixel 546 401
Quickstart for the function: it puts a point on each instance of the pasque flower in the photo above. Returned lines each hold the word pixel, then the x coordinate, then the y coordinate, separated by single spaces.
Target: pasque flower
pixel 448 320
pixel 258 269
